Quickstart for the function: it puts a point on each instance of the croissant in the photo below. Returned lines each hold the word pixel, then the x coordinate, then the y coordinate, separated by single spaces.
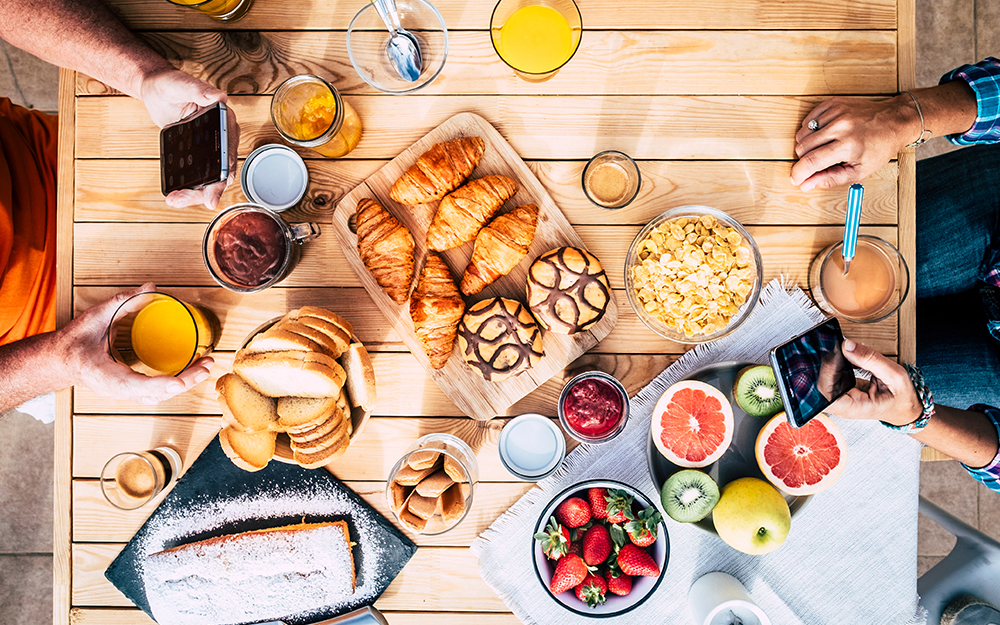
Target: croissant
pixel 464 211
pixel 386 249
pixel 436 308
pixel 500 246
pixel 438 170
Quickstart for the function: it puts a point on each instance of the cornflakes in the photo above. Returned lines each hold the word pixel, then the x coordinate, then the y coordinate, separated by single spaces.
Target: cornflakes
pixel 693 274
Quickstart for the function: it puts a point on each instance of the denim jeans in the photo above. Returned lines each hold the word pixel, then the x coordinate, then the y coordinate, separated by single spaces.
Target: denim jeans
pixel 958 213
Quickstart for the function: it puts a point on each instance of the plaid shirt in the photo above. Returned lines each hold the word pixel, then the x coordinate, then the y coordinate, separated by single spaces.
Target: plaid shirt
pixel 984 78
pixel 990 474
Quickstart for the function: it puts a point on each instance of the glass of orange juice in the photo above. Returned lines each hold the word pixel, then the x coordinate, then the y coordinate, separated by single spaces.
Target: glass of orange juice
pixel 536 37
pixel 309 111
pixel 873 288
pixel 158 334
pixel 222 10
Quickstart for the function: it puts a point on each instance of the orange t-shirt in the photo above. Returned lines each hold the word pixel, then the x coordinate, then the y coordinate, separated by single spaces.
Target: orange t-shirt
pixel 27 222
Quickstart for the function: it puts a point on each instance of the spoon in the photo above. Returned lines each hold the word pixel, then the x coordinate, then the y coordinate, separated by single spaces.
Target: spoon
pixel 854 195
pixel 403 49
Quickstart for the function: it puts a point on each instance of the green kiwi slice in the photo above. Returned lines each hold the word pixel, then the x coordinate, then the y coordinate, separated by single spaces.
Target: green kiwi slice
pixel 756 391
pixel 689 495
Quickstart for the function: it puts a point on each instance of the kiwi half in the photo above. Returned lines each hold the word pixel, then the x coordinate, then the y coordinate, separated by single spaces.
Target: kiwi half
pixel 756 391
pixel 689 495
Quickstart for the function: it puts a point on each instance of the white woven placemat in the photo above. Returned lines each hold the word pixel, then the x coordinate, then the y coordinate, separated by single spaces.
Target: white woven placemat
pixel 850 557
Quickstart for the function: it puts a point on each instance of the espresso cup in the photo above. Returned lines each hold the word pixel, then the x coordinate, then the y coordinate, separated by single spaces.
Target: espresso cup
pixel 247 248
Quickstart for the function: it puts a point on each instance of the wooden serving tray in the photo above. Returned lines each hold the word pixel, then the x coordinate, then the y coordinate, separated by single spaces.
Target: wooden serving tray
pixel 465 387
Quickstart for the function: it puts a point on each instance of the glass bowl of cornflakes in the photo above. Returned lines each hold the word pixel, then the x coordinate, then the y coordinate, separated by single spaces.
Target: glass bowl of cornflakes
pixel 693 274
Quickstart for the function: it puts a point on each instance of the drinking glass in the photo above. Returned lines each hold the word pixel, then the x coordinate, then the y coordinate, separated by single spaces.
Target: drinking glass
pixel 132 479
pixel 536 37
pixel 876 285
pixel 222 10
pixel 308 111
pixel 611 179
pixel 158 334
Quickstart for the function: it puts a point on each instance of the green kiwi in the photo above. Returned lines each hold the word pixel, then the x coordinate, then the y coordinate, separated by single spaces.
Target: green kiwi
pixel 689 495
pixel 756 391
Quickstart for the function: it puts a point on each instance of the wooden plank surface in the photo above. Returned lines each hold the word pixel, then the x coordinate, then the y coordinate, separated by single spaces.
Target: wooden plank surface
pixel 123 616
pixel 770 62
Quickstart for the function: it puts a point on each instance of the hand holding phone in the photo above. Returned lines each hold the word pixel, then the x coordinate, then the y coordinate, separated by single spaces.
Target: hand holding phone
pixel 890 395
pixel 194 152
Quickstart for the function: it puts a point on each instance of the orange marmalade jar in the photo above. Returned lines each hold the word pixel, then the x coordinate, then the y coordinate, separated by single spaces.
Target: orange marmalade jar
pixel 309 111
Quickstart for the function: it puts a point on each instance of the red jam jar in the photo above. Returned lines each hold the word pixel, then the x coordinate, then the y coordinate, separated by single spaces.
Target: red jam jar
pixel 593 407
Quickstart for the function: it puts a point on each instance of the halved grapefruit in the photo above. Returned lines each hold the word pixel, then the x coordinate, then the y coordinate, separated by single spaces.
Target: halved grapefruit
pixel 692 424
pixel 801 461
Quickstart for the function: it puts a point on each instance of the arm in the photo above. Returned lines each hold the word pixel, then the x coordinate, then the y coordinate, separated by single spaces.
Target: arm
pixel 78 355
pixel 84 35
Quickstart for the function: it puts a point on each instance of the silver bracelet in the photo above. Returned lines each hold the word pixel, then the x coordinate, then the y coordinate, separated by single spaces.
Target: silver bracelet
pixel 924 133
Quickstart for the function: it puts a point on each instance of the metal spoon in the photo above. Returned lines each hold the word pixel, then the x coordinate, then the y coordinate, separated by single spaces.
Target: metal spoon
pixel 403 49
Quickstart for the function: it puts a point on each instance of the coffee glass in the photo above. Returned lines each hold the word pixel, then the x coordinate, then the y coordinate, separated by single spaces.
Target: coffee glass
pixel 132 479
pixel 611 179
pixel 222 10
pixel 247 248
pixel 158 334
pixel 536 38
pixel 875 287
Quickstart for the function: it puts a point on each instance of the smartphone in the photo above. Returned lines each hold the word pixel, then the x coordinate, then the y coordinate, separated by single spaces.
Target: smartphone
pixel 812 371
pixel 194 152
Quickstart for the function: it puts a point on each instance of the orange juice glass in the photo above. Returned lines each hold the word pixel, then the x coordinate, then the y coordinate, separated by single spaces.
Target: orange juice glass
pixel 308 111
pixel 536 37
pixel 222 10
pixel 158 334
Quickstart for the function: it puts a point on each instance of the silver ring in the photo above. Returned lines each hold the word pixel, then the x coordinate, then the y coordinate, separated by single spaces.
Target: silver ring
pixel 813 125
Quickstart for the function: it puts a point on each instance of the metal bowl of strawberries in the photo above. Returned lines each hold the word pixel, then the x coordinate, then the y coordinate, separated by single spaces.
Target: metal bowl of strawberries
pixel 600 548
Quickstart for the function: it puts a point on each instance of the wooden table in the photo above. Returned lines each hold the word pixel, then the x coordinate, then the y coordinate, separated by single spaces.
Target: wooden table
pixel 706 95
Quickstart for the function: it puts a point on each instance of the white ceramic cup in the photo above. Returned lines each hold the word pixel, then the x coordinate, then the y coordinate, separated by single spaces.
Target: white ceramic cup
pixel 716 597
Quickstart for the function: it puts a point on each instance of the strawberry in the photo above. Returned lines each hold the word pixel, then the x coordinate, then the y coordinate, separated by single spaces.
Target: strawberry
pixel 573 512
pixel 576 548
pixel 598 502
pixel 596 545
pixel 620 585
pixel 555 540
pixel 592 591
pixel 619 505
pixel 642 529
pixel 634 561
pixel 570 572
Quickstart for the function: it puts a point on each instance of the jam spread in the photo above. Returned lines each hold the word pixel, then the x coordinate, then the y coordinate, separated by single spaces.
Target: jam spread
pixel 593 407
pixel 250 249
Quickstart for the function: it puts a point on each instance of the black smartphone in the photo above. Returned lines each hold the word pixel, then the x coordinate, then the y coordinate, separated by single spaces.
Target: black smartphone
pixel 812 371
pixel 194 152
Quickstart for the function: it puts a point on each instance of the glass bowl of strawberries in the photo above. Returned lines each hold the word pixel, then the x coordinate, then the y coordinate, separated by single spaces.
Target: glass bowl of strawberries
pixel 600 548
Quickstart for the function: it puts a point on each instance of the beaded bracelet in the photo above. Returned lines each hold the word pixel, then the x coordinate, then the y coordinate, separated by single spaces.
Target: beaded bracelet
pixel 926 400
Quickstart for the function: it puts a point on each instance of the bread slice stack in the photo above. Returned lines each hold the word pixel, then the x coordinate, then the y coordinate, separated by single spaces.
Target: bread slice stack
pixel 300 378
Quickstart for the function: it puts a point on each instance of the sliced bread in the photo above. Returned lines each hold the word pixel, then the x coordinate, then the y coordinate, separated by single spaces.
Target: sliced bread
pixel 331 343
pixel 313 312
pixel 319 458
pixel 360 376
pixel 305 412
pixel 336 436
pixel 243 407
pixel 277 339
pixel 291 373
pixel 250 451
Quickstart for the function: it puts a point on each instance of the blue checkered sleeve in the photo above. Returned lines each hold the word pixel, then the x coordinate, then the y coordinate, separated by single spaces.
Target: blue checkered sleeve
pixel 990 474
pixel 984 79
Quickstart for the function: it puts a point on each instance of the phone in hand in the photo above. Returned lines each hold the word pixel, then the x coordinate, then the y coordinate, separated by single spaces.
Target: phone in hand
pixel 812 371
pixel 194 152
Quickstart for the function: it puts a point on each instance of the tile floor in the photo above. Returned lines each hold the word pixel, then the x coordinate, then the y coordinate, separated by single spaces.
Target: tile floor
pixel 950 32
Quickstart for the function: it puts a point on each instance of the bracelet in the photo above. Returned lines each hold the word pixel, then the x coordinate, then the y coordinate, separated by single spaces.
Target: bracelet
pixel 923 131
pixel 926 400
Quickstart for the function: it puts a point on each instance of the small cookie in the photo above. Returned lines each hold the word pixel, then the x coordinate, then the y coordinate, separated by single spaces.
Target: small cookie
pixel 499 338
pixel 423 507
pixel 420 460
pixel 452 504
pixel 411 521
pixel 434 485
pixel 397 496
pixel 568 290
pixel 408 476
pixel 454 470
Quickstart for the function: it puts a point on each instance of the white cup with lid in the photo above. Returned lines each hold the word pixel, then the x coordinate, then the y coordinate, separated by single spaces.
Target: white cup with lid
pixel 275 177
pixel 532 447
pixel 719 599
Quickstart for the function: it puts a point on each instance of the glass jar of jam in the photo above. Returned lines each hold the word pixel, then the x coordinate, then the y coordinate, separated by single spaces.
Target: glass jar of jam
pixel 308 111
pixel 593 407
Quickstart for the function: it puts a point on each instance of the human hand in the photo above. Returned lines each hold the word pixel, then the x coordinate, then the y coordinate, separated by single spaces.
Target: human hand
pixel 854 139
pixel 84 341
pixel 890 395
pixel 171 95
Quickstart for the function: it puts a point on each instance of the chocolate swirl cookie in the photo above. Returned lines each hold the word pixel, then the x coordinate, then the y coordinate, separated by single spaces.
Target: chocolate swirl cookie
pixel 568 290
pixel 499 339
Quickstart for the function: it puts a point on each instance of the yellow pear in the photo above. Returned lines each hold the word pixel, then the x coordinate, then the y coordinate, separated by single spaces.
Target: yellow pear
pixel 752 516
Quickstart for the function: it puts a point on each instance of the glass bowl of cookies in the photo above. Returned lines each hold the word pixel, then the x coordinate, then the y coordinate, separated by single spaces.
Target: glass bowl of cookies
pixel 430 489
pixel 693 274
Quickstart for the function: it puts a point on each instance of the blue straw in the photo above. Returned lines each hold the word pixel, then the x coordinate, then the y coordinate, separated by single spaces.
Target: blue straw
pixel 854 195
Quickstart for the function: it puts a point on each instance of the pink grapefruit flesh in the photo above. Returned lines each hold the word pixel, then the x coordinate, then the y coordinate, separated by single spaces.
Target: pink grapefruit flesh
pixel 801 461
pixel 692 424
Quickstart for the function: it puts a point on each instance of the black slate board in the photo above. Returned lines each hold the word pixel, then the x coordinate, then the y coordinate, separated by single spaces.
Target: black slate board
pixel 214 483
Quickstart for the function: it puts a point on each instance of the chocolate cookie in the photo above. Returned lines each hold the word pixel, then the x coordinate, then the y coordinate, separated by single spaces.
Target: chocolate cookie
pixel 499 338
pixel 568 290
